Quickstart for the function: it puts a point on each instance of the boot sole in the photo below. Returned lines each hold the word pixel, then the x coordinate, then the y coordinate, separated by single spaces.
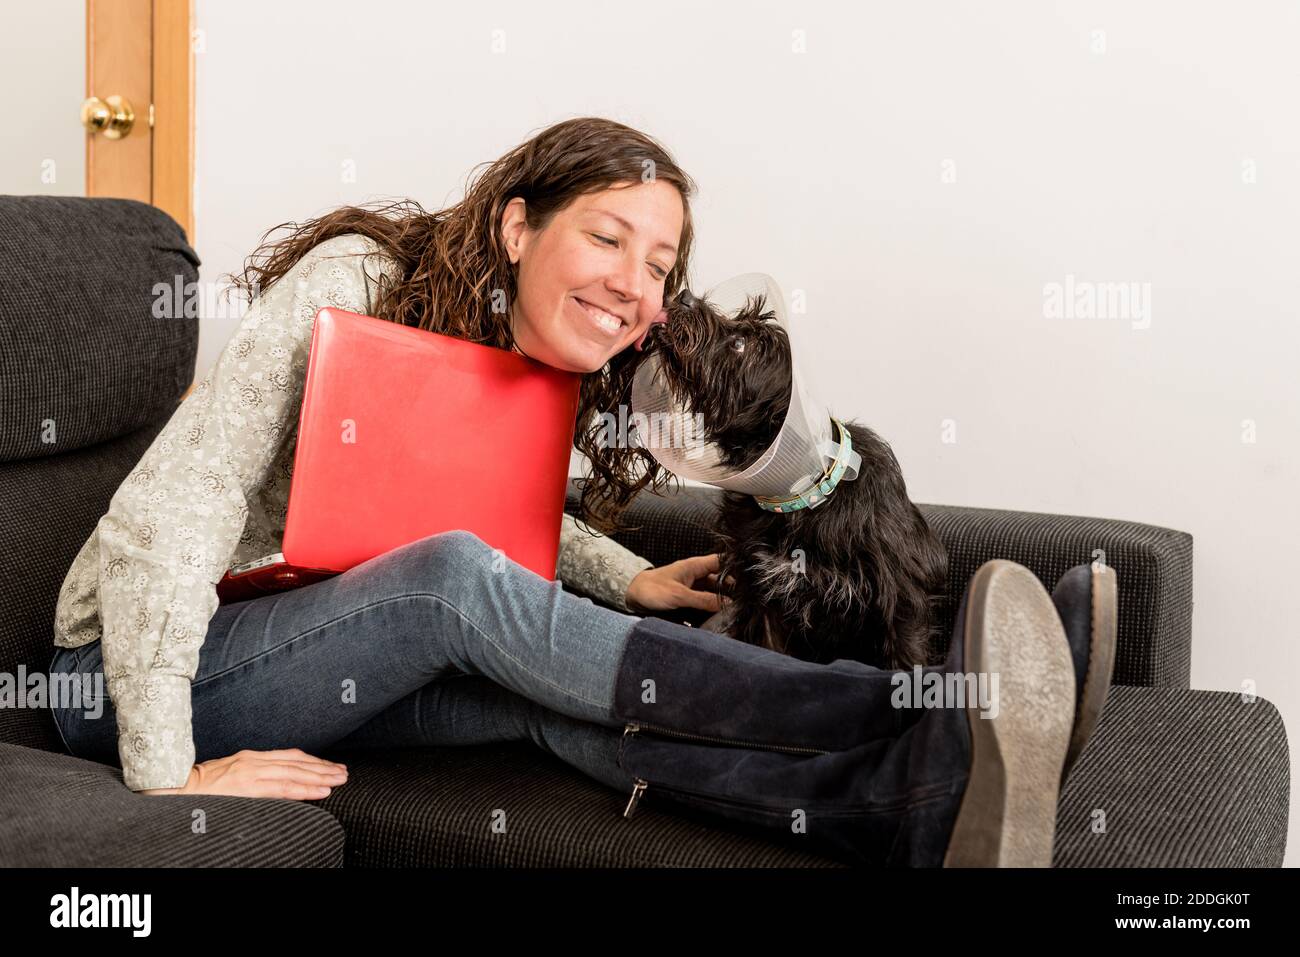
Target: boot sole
pixel 1101 660
pixel 1007 816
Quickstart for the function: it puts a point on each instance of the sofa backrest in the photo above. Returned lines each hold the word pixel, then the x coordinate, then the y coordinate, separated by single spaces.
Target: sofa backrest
pixel 91 368
pixel 1153 565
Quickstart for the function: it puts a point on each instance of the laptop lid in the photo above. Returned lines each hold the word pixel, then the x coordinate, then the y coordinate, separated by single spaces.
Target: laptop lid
pixel 404 433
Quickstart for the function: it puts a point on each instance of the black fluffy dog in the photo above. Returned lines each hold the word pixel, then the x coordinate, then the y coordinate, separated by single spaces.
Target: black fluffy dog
pixel 861 575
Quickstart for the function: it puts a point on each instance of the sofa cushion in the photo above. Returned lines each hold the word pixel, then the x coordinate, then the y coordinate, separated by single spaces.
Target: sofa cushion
pixel 1180 778
pixel 1184 778
pixel 61 811
pixel 83 358
pixel 514 805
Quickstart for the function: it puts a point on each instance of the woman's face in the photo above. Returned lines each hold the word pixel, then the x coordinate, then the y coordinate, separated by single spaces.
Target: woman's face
pixel 585 261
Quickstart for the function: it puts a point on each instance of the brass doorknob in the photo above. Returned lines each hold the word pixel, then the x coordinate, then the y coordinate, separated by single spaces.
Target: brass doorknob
pixel 111 116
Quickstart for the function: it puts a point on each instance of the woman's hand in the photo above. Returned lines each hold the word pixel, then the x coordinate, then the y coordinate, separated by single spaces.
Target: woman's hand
pixel 672 586
pixel 291 774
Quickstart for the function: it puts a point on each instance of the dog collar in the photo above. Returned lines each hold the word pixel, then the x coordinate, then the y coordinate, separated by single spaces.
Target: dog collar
pixel 818 492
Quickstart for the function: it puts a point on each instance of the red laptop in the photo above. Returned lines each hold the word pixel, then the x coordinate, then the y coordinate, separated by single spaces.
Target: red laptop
pixel 404 433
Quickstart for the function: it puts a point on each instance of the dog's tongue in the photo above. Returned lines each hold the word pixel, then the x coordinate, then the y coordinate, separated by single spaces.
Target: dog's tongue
pixel 662 317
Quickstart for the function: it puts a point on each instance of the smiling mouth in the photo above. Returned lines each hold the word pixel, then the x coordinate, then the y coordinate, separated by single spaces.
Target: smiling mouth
pixel 609 324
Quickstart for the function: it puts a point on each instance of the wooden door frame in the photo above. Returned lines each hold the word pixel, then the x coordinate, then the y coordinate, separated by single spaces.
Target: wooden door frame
pixel 173 100
pixel 144 50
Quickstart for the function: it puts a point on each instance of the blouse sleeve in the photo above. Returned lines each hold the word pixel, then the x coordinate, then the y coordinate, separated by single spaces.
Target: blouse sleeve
pixel 174 523
pixel 597 565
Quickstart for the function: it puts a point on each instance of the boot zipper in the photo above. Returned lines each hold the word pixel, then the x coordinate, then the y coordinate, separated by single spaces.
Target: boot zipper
pixel 640 784
pixel 636 726
pixel 637 790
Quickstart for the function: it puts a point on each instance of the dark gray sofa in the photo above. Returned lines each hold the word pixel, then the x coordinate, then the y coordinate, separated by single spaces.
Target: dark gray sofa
pixel 1180 777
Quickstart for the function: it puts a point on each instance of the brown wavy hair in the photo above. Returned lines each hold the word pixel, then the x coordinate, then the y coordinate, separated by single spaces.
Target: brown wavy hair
pixel 452 261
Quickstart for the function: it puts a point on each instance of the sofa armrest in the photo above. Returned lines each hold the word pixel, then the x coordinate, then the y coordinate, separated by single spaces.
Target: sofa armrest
pixel 1178 778
pixel 1153 564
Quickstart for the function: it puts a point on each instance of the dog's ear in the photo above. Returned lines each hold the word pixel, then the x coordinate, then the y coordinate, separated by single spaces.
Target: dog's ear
pixel 756 309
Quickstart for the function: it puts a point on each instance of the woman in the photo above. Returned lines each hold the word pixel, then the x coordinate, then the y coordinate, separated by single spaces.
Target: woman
pixel 565 250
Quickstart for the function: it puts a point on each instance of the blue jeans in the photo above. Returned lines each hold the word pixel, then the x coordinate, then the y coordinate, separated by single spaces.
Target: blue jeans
pixel 438 642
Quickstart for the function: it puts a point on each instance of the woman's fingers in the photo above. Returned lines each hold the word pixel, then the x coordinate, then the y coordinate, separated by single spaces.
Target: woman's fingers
pixel 299 773
pixel 325 772
pixel 704 600
pixel 701 565
pixel 711 602
pixel 310 762
pixel 711 579
pixel 284 773
pixel 294 781
pixel 292 754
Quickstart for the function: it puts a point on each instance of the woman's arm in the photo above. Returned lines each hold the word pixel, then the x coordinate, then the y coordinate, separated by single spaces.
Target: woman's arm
pixel 596 564
pixel 173 525
pixel 602 568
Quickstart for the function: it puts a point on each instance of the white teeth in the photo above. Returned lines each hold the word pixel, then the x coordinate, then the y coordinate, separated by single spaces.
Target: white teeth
pixel 607 321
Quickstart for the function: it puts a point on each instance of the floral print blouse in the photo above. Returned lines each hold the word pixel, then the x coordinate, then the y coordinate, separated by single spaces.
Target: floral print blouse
pixel 212 491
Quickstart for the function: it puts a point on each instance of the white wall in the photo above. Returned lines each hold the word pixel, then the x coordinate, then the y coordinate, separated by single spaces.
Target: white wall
pixel 43 66
pixel 920 173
